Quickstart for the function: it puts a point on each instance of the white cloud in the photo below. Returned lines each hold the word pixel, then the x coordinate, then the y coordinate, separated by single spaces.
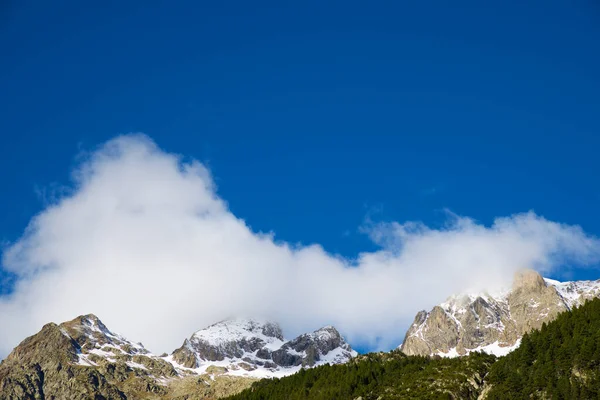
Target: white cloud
pixel 143 241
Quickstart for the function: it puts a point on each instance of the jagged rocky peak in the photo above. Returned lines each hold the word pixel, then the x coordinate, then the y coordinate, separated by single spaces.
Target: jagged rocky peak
pixel 76 339
pixel 231 338
pixel 96 341
pixel 325 345
pixel 239 328
pixel 494 322
pixel 251 345
pixel 528 280
pixel 328 338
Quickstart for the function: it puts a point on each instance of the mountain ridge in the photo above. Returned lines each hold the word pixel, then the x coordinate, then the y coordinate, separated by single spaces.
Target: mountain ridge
pixel 82 358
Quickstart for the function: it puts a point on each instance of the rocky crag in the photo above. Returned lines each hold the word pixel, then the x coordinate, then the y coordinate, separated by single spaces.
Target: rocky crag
pixel 494 322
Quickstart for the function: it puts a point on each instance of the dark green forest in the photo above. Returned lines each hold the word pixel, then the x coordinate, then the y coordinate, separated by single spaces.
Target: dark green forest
pixel 559 361
pixel 379 375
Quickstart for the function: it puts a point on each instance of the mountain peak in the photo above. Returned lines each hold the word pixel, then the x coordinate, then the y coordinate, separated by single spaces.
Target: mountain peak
pixel 237 328
pixel 96 341
pixel 328 328
pixel 327 333
pixel 87 323
pixel 252 344
pixel 528 280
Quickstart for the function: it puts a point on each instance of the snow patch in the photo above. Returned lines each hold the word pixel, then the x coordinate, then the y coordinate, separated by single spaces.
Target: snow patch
pixel 495 348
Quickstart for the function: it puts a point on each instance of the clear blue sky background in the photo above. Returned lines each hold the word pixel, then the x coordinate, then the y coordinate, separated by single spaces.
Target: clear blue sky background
pixel 312 115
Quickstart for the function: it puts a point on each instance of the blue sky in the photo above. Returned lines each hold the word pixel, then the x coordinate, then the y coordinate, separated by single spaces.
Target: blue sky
pixel 313 117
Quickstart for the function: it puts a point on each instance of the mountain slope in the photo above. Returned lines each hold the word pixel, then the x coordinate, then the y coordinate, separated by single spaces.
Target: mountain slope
pixel 494 323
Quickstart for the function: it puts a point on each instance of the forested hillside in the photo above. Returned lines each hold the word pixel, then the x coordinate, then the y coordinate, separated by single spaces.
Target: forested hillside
pixel 380 376
pixel 559 361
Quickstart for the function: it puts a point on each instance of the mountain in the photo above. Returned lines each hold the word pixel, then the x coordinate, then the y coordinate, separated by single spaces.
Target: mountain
pixel 494 322
pixel 257 348
pixel 83 359
pixel 561 360
pixel 554 335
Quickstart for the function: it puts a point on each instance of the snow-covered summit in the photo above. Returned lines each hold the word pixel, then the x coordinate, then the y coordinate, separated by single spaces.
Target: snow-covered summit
pixel 238 329
pixel 254 347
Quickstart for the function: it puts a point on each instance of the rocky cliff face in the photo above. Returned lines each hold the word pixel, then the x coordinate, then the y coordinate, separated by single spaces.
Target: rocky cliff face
pixel 494 323
pixel 83 359
pixel 258 347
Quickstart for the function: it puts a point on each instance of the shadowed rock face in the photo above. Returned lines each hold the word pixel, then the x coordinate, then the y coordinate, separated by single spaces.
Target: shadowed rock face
pixel 493 323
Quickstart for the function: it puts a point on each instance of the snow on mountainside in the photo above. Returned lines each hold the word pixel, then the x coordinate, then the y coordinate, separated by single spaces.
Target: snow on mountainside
pixel 494 322
pixel 575 293
pixel 239 347
pixel 236 330
pixel 248 347
pixel 96 342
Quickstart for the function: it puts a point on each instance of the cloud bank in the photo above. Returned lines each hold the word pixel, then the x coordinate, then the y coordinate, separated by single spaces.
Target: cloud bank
pixel 144 241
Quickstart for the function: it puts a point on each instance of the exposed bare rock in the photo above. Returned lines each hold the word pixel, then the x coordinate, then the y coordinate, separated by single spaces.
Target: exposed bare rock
pixel 532 302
